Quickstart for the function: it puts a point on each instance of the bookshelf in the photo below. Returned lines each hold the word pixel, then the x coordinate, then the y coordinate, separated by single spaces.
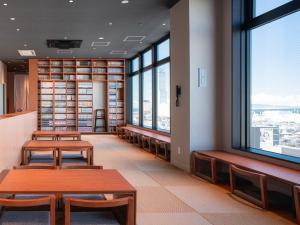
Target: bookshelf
pixel 66 94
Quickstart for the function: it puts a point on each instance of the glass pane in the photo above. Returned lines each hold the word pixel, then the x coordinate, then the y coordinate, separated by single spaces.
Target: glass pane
pixel 135 64
pixel 147 58
pixel 163 97
pixel 147 99
pixel 135 100
pixel 263 6
pixel 163 50
pixel 275 92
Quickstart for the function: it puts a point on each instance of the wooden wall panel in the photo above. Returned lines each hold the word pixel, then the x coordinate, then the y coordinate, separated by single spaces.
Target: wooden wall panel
pixel 33 85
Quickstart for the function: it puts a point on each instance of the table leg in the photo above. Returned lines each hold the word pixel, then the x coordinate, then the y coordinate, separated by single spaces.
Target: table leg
pixel 92 156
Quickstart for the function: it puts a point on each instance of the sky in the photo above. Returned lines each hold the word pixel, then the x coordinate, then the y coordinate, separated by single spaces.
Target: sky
pixel 275 54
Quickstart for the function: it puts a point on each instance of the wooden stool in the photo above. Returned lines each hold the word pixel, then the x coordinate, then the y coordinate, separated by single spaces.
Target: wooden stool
pixel 158 144
pixel 263 201
pixel 213 166
pixel 146 141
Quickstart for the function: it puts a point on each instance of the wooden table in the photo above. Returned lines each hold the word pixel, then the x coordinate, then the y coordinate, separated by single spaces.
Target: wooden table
pixel 56 135
pixel 61 182
pixel 59 146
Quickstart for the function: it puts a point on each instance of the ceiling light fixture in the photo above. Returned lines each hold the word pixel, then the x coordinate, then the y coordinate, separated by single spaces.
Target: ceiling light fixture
pixel 101 38
pixel 25 45
pixel 5 4
pixel 110 23
pixel 18 29
pixel 12 18
pixel 164 24
pixel 71 1
pixel 65 38
pixel 125 1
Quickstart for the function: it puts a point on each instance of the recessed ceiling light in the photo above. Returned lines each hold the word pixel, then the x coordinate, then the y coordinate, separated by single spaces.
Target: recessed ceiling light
pixel 110 23
pixel 12 18
pixel 101 38
pixel 5 4
pixel 71 1
pixel 65 38
pixel 25 45
pixel 164 24
pixel 125 1
pixel 18 29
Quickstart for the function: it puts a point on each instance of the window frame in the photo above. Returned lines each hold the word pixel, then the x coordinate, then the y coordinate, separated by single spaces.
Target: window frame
pixel 243 21
pixel 155 63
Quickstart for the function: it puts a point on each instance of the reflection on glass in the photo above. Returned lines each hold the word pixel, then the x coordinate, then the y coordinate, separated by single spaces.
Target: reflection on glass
pixel 275 92
pixel 263 6
pixel 147 99
pixel 163 97
pixel 135 100
pixel 135 64
pixel 163 50
pixel 147 58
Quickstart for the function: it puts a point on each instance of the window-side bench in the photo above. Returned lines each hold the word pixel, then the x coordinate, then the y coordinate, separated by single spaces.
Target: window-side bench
pixel 241 166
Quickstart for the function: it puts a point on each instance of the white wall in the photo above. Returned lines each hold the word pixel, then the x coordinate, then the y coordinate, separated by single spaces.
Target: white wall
pixel 197 123
pixel 180 121
pixel 14 132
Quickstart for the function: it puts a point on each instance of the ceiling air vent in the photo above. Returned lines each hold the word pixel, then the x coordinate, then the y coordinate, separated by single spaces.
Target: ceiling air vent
pixel 134 38
pixel 27 52
pixel 64 44
pixel 100 43
pixel 118 52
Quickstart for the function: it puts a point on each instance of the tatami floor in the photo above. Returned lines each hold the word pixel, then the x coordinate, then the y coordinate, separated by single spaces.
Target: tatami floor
pixel 169 196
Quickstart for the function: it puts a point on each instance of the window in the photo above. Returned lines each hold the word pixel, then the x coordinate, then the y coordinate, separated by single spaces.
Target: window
pixel 147 99
pixel 147 58
pixel 163 50
pixel 150 87
pixel 263 6
pixel 135 100
pixel 163 97
pixel 267 105
pixel 135 65
pixel 275 93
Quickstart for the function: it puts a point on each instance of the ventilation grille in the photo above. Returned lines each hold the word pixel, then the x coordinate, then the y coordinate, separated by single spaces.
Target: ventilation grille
pixel 27 52
pixel 64 44
pixel 101 44
pixel 66 51
pixel 134 38
pixel 118 52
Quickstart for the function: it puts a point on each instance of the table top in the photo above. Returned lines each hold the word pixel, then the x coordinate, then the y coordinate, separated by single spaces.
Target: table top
pixel 64 181
pixel 40 132
pixel 276 171
pixel 57 144
pixel 159 137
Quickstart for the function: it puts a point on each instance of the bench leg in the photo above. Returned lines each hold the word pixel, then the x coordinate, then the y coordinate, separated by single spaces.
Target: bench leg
pixel 296 190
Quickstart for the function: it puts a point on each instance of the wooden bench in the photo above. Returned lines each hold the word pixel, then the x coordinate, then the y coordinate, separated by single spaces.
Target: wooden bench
pixel 56 135
pixel 246 167
pixel 145 139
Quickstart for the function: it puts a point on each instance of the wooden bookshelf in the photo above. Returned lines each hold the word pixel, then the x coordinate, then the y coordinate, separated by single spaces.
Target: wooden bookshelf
pixel 66 93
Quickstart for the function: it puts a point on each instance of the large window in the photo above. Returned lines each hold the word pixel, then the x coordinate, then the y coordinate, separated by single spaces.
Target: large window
pixel 151 109
pixel 135 100
pixel 163 97
pixel 270 111
pixel 147 99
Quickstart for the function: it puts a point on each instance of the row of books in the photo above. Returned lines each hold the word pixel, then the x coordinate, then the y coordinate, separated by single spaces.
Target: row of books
pixel 85 91
pixel 85 123
pixel 85 85
pixel 115 70
pixel 116 122
pixel 116 116
pixel 85 116
pixel 115 85
pixel 99 63
pixel 85 97
pixel 85 104
pixel 85 129
pixel 84 77
pixel 116 104
pixel 85 110
pixel 115 77
pixel 99 70
pixel 116 110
